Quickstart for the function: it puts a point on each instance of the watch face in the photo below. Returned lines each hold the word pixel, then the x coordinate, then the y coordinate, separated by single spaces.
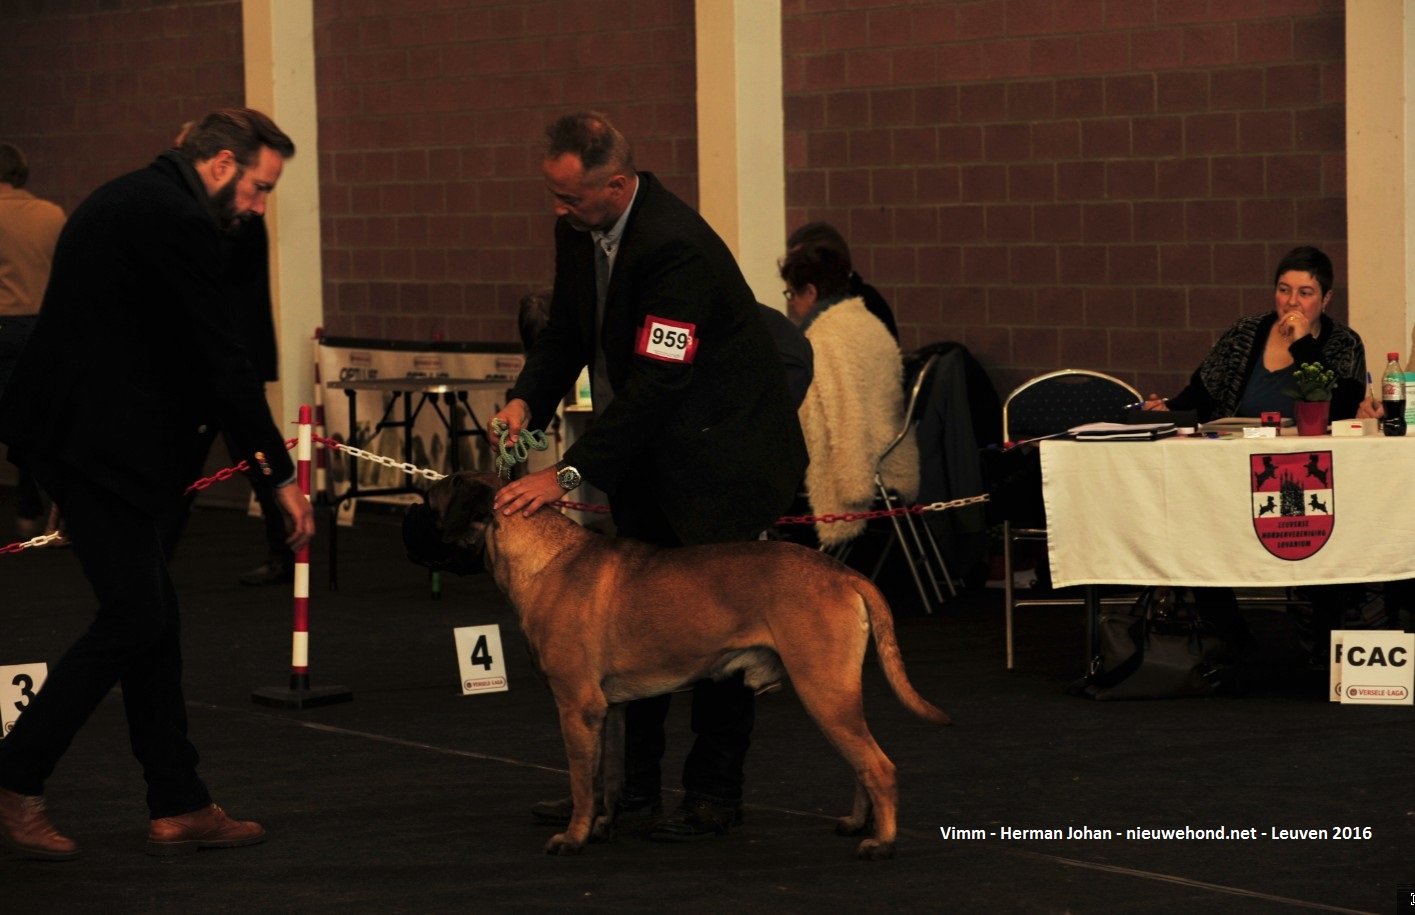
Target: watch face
pixel 568 478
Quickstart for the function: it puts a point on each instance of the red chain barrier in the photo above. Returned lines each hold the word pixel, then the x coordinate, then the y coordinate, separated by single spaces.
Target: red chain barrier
pixel 227 473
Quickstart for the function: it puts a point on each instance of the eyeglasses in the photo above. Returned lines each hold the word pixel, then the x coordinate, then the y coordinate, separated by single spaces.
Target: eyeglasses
pixel 789 295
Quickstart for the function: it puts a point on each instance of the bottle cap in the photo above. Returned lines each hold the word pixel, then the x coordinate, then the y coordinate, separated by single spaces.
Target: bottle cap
pixel 1391 357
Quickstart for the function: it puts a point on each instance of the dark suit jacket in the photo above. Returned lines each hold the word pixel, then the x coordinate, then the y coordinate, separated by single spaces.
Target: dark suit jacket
pixel 136 344
pixel 247 273
pixel 715 440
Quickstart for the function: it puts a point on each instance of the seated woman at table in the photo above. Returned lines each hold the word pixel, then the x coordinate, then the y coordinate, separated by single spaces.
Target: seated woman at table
pixel 1246 373
pixel 855 402
pixel 1251 365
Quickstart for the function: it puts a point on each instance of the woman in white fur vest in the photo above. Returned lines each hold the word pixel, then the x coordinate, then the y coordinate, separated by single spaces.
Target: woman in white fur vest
pixel 855 404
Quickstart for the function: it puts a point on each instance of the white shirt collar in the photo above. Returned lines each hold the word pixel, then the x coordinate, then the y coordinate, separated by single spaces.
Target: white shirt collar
pixel 609 240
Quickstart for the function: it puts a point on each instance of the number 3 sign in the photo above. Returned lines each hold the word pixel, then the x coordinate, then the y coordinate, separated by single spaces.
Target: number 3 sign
pixel 18 685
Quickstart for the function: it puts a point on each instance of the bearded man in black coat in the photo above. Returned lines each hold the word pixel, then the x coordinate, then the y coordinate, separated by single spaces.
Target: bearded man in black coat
pixel 135 346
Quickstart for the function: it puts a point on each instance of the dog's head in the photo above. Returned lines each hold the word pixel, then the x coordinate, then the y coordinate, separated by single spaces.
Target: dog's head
pixel 447 531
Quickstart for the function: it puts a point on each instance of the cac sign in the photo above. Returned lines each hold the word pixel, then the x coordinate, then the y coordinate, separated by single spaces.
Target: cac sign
pixel 1372 667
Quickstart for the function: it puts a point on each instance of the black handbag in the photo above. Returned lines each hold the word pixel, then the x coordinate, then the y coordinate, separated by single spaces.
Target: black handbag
pixel 1159 648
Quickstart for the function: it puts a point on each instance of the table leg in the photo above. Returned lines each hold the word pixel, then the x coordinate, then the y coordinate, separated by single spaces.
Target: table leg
pixel 1093 629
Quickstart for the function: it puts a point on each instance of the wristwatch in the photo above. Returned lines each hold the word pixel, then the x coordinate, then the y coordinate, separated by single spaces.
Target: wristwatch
pixel 568 477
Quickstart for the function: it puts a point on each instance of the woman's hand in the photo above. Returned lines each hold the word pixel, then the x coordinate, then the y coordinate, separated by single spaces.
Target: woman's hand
pixel 1371 409
pixel 1294 325
pixel 1154 402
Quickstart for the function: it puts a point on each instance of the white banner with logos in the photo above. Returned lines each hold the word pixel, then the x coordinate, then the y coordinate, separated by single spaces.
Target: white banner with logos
pixel 1272 512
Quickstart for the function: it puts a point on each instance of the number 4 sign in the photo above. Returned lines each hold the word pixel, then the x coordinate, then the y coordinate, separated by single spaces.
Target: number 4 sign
pixel 18 684
pixel 480 660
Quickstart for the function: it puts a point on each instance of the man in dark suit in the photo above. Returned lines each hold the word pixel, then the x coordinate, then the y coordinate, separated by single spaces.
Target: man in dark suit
pixel 695 437
pixel 135 345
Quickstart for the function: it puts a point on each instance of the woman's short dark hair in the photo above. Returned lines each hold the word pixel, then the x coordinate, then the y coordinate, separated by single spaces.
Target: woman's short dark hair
pixel 242 130
pixel 818 231
pixel 821 262
pixel 1307 259
pixel 14 170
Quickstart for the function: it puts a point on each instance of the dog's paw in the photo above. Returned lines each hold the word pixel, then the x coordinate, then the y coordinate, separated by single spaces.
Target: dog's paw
pixel 562 844
pixel 849 826
pixel 875 850
pixel 602 830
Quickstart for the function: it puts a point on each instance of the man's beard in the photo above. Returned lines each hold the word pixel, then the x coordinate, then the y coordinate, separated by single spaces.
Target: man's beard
pixel 223 203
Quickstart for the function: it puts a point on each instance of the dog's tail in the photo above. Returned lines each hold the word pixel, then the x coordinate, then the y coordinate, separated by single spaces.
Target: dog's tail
pixel 887 647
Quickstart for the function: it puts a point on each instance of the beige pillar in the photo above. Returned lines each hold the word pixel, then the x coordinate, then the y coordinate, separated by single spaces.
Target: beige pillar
pixel 741 163
pixel 1380 161
pixel 280 81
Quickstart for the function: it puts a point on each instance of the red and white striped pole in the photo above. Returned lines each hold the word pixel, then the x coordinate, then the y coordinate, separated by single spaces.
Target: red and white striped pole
pixel 300 645
pixel 321 454
pixel 301 694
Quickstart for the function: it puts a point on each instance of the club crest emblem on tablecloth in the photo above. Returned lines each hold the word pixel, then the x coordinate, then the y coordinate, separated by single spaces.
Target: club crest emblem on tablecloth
pixel 1294 509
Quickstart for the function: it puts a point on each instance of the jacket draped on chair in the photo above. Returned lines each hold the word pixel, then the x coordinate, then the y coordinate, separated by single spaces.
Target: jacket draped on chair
pixel 853 409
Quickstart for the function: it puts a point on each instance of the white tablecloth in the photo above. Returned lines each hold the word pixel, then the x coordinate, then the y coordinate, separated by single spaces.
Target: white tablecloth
pixel 1232 512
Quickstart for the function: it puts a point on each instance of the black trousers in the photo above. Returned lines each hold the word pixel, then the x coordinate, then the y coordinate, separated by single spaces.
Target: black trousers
pixel 724 711
pixel 135 641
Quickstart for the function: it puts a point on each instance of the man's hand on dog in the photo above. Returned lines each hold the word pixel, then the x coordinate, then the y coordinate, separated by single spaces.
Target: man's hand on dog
pixel 528 493
pixel 299 515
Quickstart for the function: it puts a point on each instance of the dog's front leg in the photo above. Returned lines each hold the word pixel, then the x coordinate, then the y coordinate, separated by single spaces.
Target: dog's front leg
pixel 611 772
pixel 581 725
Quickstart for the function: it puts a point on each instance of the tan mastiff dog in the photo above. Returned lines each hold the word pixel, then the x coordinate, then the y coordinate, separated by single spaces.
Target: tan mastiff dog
pixel 611 619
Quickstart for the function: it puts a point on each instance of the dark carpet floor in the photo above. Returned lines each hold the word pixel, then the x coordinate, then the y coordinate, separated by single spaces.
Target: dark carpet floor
pixel 413 798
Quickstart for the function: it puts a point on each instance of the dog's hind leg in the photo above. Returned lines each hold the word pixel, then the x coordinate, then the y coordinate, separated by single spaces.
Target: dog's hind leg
pixel 611 773
pixel 840 714
pixel 581 726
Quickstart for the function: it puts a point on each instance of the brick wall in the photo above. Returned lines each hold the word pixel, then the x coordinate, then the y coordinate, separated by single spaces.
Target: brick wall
pixel 95 88
pixel 436 219
pixel 1053 182
pixel 1070 183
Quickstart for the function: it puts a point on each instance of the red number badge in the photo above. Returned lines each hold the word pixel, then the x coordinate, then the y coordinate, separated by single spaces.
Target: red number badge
pixel 667 340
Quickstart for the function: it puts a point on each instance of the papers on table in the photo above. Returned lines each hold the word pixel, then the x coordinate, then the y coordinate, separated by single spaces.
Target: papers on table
pixel 1236 423
pixel 1123 432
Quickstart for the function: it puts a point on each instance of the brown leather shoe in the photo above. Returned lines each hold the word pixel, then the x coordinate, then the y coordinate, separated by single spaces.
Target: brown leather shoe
pixel 208 827
pixel 25 827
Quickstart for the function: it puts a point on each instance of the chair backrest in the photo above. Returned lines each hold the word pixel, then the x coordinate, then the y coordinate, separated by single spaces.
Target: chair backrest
pixel 1056 401
pixel 912 391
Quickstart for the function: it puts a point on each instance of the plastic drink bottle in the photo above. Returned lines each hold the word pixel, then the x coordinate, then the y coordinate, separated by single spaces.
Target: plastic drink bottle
pixel 1393 396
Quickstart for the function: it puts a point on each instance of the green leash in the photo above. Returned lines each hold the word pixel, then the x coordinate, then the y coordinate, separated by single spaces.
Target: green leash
pixel 508 456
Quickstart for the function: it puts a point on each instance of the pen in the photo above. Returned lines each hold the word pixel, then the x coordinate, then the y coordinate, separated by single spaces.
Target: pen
pixel 1141 403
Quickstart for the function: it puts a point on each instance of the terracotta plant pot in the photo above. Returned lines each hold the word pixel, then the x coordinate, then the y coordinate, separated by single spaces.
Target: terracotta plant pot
pixel 1312 416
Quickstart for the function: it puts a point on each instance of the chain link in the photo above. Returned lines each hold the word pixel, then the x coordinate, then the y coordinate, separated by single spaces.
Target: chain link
pixel 227 473
pixel 33 542
pixel 882 512
pixel 361 454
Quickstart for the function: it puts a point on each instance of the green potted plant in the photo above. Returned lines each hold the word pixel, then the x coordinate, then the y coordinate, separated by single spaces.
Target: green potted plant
pixel 1311 389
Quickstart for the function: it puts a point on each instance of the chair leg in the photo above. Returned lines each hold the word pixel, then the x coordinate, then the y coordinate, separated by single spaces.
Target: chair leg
pixel 913 524
pixel 938 557
pixel 1007 594
pixel 913 567
pixel 916 554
